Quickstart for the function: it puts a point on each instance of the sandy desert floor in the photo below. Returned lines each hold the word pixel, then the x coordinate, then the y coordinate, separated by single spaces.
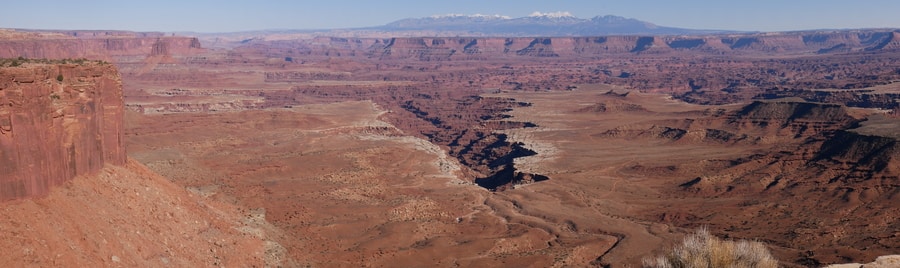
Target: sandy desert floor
pixel 351 190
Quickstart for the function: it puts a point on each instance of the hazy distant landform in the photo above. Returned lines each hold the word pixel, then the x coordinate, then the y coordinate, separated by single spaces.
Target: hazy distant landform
pixel 537 24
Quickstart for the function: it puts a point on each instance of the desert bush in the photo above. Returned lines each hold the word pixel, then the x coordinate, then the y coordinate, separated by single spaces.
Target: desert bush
pixel 703 250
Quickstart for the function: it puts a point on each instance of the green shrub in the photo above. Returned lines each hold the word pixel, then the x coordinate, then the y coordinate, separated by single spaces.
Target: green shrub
pixel 59 77
pixel 703 250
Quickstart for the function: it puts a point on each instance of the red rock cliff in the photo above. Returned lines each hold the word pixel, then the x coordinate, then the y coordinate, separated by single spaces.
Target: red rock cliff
pixel 105 45
pixel 57 121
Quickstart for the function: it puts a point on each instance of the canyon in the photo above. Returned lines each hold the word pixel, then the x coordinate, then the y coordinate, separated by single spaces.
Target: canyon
pixel 472 151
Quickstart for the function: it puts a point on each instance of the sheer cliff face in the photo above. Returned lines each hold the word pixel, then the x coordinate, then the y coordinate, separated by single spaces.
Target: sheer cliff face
pixel 57 121
pixel 97 48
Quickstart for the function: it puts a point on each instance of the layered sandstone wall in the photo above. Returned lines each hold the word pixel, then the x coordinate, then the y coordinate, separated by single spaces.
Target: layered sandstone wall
pixel 106 48
pixel 480 48
pixel 57 121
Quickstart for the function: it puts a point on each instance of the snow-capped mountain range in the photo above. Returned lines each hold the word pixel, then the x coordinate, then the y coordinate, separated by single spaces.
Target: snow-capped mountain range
pixel 536 24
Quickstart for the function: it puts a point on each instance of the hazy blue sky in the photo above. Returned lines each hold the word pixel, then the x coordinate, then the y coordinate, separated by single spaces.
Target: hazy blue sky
pixel 225 15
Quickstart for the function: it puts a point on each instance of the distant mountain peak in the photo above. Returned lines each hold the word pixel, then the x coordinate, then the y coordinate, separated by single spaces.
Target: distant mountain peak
pixel 478 16
pixel 559 23
pixel 610 18
pixel 555 15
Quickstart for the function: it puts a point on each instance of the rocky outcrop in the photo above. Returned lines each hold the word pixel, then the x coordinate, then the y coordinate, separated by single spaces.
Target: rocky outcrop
pixel 821 161
pixel 865 98
pixel 792 117
pixel 887 261
pixel 57 121
pixel 869 151
pixel 760 122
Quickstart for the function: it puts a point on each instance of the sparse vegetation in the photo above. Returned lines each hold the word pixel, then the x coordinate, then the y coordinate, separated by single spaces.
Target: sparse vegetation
pixel 59 77
pixel 79 61
pixel 14 62
pixel 703 250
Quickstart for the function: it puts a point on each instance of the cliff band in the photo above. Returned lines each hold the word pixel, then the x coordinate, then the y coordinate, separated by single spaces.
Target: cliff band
pixel 57 121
